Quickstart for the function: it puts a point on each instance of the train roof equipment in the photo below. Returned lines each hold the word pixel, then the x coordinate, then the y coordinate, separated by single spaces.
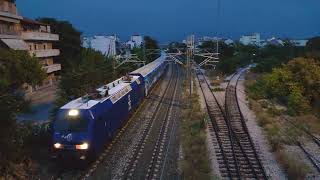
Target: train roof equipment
pixel 113 91
pixel 145 70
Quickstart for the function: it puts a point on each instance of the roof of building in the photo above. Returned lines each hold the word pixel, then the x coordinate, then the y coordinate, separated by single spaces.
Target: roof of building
pixel 31 21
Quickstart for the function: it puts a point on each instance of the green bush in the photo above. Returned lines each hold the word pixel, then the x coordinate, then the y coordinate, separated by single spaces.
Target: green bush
pixel 293 85
pixel 195 164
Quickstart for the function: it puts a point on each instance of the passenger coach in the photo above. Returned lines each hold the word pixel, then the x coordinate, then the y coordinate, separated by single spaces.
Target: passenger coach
pixel 83 126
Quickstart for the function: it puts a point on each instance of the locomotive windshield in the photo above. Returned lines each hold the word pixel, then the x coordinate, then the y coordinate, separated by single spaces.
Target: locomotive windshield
pixel 66 123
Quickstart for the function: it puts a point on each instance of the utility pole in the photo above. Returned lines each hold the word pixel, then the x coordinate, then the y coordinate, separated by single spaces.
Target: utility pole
pixel 190 55
pixel 144 51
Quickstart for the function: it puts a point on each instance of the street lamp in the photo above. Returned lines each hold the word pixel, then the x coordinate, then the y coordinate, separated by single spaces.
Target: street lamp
pixel 254 55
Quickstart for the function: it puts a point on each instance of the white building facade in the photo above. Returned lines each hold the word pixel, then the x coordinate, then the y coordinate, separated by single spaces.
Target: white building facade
pixel 136 41
pixel 105 44
pixel 254 39
pixel 228 41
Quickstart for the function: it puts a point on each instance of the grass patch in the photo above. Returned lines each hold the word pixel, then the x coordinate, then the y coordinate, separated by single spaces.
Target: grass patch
pixel 195 164
pixel 309 122
pixel 295 169
pixel 218 89
pixel 215 82
pixel 279 132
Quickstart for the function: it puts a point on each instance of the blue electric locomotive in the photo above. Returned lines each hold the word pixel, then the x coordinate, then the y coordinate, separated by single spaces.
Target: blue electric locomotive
pixel 83 126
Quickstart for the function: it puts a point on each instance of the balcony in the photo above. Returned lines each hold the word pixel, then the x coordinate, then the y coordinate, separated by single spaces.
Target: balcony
pixel 52 68
pixel 10 15
pixel 45 53
pixel 41 36
pixel 9 36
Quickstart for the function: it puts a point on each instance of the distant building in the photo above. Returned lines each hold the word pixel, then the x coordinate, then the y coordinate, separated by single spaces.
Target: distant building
pixel 86 42
pixel 135 41
pixel 39 39
pixel 105 44
pixel 300 43
pixel 207 39
pixel 228 41
pixel 274 42
pixel 251 39
pixel 130 44
pixel 20 33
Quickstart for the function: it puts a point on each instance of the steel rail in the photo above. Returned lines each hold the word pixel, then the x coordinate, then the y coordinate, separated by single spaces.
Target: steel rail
pixel 131 166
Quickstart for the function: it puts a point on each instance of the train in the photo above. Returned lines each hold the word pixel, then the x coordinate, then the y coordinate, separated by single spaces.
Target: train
pixel 83 126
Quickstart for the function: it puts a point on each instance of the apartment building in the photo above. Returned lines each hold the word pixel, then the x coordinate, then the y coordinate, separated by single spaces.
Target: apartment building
pixel 39 39
pixel 136 41
pixel 19 33
pixel 10 26
pixel 251 39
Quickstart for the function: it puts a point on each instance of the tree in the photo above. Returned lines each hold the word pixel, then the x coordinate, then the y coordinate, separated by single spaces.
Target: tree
pixel 225 50
pixel 295 84
pixel 16 68
pixel 69 44
pixel 307 73
pixel 175 46
pixel 313 47
pixel 229 65
pixel 266 64
pixel 152 49
pixel 94 69
pixel 313 44
pixel 139 52
pixel 275 56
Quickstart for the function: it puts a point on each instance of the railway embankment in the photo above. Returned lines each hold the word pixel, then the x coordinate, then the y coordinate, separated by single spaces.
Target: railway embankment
pixel 259 138
pixel 293 139
pixel 210 143
pixel 194 162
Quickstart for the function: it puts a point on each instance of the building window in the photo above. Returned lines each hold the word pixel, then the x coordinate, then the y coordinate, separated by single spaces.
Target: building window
pixel 35 47
pixel 44 46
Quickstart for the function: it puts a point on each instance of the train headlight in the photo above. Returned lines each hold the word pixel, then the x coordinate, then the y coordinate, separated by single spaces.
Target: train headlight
pixel 83 146
pixel 57 145
pixel 73 112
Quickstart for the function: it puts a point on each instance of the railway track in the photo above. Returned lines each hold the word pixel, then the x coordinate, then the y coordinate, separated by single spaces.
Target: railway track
pixel 159 150
pixel 313 160
pixel 315 139
pixel 250 165
pixel 235 152
pixel 90 171
pixel 147 158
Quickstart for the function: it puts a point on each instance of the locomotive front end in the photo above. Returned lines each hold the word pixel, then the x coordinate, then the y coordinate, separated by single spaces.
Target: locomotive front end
pixel 71 135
